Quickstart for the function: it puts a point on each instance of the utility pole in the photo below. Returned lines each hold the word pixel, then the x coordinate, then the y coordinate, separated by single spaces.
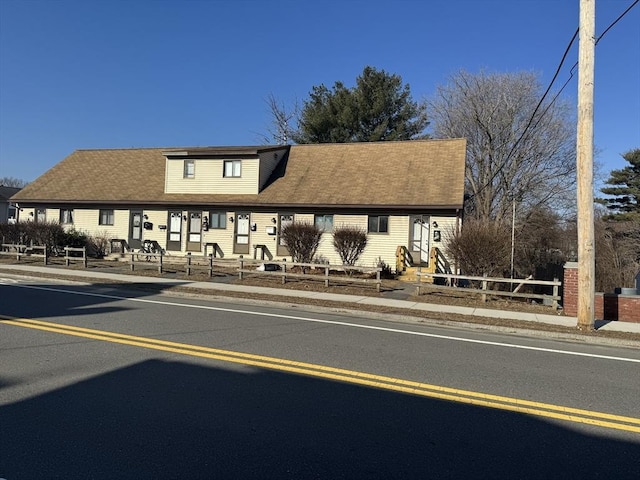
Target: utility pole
pixel 584 150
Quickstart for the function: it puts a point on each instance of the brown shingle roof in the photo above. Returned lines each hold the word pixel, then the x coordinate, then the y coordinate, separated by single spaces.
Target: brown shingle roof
pixel 420 173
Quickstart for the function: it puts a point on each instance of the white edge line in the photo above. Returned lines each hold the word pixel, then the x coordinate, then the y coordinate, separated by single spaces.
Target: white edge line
pixel 332 322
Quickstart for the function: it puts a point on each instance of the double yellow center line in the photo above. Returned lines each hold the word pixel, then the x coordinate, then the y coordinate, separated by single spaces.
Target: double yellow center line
pixel 600 419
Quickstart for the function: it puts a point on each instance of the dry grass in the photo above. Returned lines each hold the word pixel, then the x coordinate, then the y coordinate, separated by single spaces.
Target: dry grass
pixel 433 296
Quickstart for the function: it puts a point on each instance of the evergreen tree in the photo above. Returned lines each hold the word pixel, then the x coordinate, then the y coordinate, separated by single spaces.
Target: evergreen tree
pixel 378 108
pixel 625 189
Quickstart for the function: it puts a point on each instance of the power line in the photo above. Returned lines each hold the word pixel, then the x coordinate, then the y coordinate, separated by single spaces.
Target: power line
pixel 555 76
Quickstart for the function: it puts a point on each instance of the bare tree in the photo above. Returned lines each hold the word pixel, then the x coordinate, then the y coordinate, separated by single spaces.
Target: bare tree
pixel 480 248
pixel 283 121
pixel 12 182
pixel 518 148
pixel 302 240
pixel 349 242
pixel 617 253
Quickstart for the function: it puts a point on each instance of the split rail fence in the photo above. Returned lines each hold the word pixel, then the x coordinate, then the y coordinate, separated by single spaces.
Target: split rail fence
pixel 487 282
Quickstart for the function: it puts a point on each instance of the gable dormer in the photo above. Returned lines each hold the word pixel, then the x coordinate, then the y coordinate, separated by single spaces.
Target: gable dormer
pixel 220 170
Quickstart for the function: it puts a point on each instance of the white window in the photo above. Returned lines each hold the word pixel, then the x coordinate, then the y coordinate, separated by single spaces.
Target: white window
pixel 41 215
pixel 12 214
pixel 66 215
pixel 106 217
pixel 324 222
pixel 378 223
pixel 218 220
pixel 189 169
pixel 232 168
pixel 285 220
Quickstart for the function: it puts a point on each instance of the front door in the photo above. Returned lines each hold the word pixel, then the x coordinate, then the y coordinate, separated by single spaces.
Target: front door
pixel 284 219
pixel 135 229
pixel 241 241
pixel 174 232
pixel 194 233
pixel 420 239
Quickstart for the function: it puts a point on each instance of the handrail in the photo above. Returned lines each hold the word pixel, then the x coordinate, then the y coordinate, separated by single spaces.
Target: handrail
pixel 402 258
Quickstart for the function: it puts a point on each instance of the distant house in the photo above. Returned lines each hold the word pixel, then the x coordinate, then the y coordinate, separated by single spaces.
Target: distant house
pixel 8 213
pixel 235 200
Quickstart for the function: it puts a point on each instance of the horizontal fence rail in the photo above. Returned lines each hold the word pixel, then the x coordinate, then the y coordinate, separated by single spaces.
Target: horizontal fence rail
pixel 70 255
pixel 485 283
pixel 284 272
pixel 19 251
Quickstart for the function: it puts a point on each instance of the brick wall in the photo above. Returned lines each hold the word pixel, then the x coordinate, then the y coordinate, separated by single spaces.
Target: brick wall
pixel 608 306
pixel 570 289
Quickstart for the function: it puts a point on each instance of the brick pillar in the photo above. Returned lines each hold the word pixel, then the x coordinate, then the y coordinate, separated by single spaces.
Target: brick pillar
pixel 570 289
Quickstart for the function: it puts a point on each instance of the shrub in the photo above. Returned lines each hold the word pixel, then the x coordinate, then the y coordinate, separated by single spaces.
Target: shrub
pixel 97 245
pixel 9 233
pixel 74 238
pixel 49 234
pixel 349 242
pixel 302 240
pixel 386 272
pixel 481 247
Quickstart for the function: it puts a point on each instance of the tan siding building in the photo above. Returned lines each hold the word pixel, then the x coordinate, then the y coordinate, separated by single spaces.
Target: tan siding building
pixel 235 200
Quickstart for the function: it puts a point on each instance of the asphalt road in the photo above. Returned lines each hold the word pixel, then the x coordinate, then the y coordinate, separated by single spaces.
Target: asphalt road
pixel 112 382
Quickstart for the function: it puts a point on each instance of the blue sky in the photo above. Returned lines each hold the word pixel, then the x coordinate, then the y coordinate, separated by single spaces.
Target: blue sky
pixel 158 73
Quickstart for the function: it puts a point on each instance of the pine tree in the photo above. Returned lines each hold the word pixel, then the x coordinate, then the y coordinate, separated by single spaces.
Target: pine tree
pixel 378 108
pixel 624 191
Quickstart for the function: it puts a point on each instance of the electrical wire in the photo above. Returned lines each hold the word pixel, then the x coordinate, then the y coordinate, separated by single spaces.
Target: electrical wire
pixel 555 76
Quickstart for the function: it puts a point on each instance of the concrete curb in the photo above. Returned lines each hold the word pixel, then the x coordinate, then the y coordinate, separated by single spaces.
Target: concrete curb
pixel 556 320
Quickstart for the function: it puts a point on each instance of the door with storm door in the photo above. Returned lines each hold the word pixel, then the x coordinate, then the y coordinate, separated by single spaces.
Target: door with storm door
pixel 174 231
pixel 420 239
pixel 194 234
pixel 241 240
pixel 135 229
pixel 284 219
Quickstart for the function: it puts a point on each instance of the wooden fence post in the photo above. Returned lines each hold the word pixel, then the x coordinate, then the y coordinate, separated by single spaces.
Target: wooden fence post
pixel 210 265
pixel 284 273
pixel 484 288
pixel 555 294
pixel 326 276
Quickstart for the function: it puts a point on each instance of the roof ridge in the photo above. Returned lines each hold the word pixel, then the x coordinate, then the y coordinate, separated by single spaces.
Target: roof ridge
pixel 380 142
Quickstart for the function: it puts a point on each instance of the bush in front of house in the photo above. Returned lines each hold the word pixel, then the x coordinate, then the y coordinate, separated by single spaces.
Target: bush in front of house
pixel 98 245
pixel 49 234
pixel 349 242
pixel 385 270
pixel 480 247
pixel 9 233
pixel 302 240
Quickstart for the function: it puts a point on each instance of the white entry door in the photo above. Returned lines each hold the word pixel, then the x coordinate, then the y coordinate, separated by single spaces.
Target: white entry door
pixel 420 239
pixel 241 244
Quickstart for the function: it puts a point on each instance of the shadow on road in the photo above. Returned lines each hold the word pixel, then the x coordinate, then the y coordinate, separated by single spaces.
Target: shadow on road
pixel 169 420
pixel 93 300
